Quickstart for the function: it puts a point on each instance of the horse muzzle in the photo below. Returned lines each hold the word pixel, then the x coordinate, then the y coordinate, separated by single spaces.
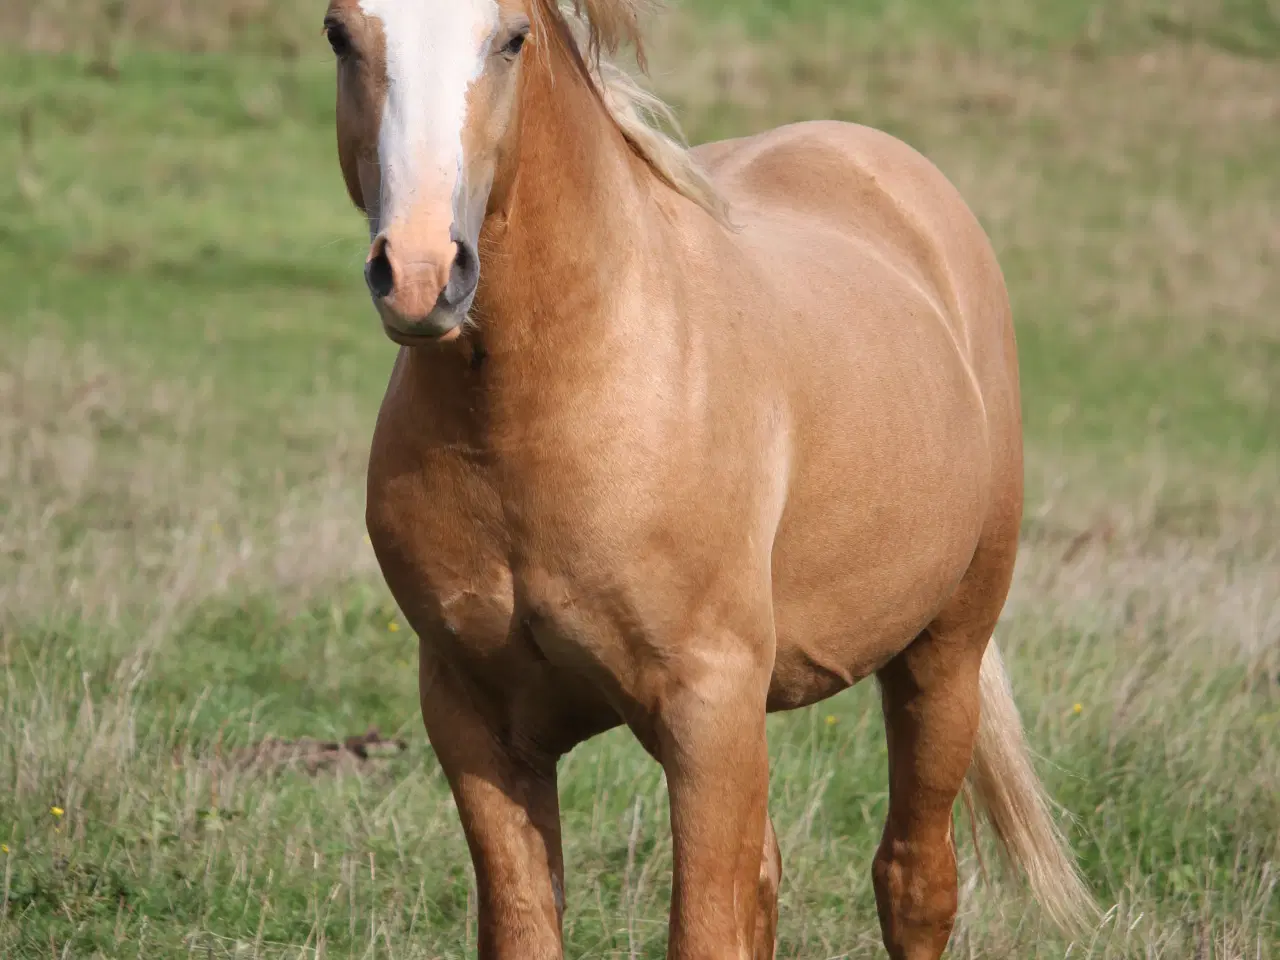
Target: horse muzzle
pixel 422 295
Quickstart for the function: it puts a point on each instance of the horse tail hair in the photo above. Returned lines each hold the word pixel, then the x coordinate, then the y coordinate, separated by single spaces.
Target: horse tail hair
pixel 1015 804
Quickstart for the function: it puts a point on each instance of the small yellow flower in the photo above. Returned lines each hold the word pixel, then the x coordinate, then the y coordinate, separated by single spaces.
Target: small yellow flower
pixel 831 720
pixel 4 848
pixel 393 627
pixel 1078 708
pixel 57 811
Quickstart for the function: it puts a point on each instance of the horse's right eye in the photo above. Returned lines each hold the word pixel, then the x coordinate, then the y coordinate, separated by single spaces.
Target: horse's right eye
pixel 338 38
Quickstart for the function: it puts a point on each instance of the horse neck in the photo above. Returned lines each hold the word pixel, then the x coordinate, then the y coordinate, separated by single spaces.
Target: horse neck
pixel 577 201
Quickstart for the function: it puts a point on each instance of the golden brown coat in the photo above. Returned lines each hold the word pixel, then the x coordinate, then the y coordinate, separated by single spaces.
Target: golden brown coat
pixel 675 472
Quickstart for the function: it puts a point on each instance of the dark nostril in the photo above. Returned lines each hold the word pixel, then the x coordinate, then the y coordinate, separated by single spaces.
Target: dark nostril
pixel 463 276
pixel 379 275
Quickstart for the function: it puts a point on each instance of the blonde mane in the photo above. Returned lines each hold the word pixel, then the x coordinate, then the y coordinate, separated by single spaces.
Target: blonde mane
pixel 600 27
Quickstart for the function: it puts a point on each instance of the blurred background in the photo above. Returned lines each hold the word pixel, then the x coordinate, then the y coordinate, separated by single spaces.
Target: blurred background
pixel 189 371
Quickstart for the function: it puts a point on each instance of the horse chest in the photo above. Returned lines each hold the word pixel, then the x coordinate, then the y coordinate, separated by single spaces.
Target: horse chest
pixel 445 554
pixel 440 550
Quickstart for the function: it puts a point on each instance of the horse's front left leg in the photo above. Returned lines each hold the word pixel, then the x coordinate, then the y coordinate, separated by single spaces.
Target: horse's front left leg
pixel 709 735
pixel 510 814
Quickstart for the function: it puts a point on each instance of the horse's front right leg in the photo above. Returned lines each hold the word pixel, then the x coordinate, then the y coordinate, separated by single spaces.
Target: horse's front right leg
pixel 510 814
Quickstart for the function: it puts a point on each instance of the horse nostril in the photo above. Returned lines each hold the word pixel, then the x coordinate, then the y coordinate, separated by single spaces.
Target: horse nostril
pixel 463 276
pixel 379 275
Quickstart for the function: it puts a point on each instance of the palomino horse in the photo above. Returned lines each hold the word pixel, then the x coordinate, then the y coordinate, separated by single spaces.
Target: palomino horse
pixel 675 439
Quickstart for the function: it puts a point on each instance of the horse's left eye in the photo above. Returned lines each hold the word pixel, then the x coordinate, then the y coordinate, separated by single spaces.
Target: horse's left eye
pixel 515 44
pixel 338 38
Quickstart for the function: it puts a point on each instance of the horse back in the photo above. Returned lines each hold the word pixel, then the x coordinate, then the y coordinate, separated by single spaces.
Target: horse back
pixel 879 193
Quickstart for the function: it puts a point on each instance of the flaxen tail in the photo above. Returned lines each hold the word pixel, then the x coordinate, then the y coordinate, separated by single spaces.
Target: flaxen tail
pixel 1017 807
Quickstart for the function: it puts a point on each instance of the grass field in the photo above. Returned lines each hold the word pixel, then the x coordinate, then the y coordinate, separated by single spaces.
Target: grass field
pixel 189 370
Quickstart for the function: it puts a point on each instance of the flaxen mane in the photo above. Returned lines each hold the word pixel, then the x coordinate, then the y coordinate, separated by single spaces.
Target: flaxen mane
pixel 598 29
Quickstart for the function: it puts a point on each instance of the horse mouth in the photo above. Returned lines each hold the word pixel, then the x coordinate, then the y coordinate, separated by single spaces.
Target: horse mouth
pixel 420 338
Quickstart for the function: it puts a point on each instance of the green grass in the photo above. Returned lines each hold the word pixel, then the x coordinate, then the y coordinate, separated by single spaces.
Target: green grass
pixel 188 375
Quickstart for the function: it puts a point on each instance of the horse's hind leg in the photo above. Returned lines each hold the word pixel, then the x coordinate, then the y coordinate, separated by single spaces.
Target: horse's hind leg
pixel 770 879
pixel 930 698
pixel 931 695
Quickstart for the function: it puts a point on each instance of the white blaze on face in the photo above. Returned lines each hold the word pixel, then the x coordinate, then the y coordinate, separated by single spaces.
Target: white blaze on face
pixel 435 50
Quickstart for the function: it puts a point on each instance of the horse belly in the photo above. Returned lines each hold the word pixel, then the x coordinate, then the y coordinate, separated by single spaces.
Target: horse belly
pixel 880 526
pixel 841 617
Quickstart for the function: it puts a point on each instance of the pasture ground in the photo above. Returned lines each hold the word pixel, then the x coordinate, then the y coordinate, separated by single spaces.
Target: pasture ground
pixel 188 375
